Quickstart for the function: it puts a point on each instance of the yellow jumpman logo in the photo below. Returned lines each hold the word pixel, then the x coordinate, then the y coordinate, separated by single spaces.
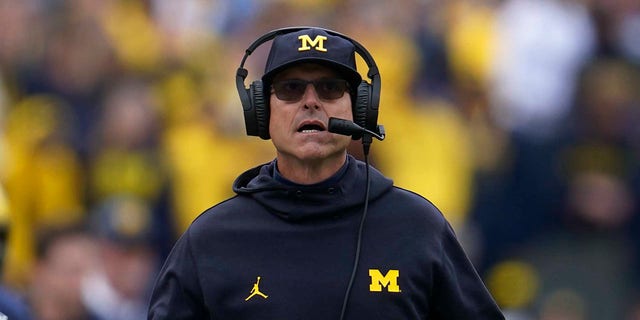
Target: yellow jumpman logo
pixel 256 290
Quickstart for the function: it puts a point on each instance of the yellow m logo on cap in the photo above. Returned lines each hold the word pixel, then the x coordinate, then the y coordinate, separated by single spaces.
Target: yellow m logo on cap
pixel 389 280
pixel 306 43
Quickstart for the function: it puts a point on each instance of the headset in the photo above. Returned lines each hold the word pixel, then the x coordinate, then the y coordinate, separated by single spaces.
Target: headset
pixel 255 98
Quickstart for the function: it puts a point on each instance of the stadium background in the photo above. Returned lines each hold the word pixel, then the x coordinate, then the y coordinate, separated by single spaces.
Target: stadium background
pixel 518 118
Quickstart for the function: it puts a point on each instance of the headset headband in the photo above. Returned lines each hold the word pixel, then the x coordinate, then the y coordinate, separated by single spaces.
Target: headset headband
pixel 369 99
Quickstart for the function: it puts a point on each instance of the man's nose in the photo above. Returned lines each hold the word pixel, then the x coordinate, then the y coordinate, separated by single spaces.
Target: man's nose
pixel 310 97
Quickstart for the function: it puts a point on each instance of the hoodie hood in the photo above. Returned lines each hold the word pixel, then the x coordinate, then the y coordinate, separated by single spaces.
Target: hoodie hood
pixel 296 202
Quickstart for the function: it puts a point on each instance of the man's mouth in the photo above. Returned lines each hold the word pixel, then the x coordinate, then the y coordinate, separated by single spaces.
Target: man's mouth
pixel 311 127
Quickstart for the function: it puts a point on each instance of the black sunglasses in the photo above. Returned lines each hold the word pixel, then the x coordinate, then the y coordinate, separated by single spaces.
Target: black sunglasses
pixel 292 90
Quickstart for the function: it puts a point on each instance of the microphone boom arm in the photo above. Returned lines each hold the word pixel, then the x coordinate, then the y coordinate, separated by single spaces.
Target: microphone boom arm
pixel 350 128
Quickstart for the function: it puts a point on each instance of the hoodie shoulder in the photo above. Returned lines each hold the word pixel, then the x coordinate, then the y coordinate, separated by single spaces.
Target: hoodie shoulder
pixel 417 206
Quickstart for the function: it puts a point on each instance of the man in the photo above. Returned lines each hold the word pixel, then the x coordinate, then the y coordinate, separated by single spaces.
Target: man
pixel 284 247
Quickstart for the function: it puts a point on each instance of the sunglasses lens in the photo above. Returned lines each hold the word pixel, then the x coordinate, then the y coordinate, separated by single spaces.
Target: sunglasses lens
pixel 290 90
pixel 330 89
pixel 293 89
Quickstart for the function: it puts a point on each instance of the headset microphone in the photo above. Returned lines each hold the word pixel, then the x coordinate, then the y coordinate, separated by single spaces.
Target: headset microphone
pixel 350 128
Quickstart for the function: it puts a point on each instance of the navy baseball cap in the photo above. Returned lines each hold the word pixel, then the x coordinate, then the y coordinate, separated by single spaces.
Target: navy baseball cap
pixel 125 220
pixel 312 45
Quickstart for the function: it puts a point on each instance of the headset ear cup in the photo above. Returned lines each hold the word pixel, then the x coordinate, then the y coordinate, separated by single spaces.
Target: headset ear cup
pixel 361 107
pixel 261 109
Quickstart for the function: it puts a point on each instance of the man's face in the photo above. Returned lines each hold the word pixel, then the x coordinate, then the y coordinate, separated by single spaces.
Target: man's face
pixel 298 128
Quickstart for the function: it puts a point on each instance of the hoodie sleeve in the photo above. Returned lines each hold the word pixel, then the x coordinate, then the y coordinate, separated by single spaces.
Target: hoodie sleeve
pixel 177 294
pixel 459 293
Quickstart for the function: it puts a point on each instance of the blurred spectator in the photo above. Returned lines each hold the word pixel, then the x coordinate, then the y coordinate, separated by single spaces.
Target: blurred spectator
pixel 534 70
pixel 65 256
pixel 124 157
pixel 471 32
pixel 76 61
pixel 12 304
pixel 127 261
pixel 606 134
pixel 44 178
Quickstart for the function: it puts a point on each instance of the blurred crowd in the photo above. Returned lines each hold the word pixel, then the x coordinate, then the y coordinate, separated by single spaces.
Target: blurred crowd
pixel 520 119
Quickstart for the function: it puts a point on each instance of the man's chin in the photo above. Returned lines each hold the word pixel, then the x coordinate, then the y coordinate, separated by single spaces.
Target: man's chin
pixel 315 153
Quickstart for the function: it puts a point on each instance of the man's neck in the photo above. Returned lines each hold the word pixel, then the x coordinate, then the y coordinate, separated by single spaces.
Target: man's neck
pixel 309 172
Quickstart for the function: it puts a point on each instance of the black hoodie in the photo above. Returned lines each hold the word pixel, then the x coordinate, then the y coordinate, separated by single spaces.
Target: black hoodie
pixel 278 250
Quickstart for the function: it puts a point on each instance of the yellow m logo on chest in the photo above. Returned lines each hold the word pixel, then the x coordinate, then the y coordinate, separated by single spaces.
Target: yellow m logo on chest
pixel 389 280
pixel 306 43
